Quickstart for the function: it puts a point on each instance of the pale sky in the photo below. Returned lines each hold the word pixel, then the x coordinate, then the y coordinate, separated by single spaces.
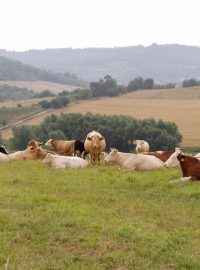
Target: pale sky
pixel 41 24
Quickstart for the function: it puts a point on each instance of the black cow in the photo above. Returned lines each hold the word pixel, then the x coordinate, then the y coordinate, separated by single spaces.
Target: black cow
pixel 79 149
pixel 3 150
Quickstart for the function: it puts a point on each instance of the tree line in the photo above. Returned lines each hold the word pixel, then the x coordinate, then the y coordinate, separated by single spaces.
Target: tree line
pixel 191 83
pixel 15 70
pixel 117 130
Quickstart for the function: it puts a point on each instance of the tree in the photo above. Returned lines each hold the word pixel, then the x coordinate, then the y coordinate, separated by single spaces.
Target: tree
pixel 21 136
pixel 190 83
pixel 148 84
pixel 116 129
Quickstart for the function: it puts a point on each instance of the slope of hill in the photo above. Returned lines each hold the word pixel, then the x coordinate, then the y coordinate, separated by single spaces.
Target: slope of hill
pixel 181 106
pixel 163 63
pixel 39 86
pixel 15 70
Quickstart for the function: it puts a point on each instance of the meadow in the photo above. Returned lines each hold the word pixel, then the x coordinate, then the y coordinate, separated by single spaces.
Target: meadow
pixel 97 218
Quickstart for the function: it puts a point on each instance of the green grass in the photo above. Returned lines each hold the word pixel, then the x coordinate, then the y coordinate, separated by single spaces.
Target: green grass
pixel 97 218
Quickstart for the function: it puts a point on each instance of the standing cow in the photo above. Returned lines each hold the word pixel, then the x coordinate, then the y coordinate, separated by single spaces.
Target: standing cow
pixel 62 147
pixel 95 144
pixel 141 146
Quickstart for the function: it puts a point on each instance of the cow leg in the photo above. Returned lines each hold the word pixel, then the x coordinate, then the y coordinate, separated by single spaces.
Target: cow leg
pixel 185 178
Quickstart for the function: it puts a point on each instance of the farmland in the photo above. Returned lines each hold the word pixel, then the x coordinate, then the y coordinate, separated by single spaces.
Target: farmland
pixel 181 105
pixel 39 86
pixel 97 218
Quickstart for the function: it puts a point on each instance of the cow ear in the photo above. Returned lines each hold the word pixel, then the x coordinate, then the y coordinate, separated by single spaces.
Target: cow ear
pixel 40 143
pixel 89 138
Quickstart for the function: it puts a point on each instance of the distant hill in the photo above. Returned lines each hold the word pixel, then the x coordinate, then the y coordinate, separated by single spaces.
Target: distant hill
pixel 164 63
pixel 17 71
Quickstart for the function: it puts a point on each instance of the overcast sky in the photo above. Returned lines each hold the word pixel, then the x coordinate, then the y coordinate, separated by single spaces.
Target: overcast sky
pixel 41 24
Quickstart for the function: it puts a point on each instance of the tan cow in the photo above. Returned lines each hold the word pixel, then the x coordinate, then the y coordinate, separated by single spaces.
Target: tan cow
pixel 34 144
pixel 141 146
pixel 95 144
pixel 32 152
pixel 4 158
pixel 62 147
pixel 27 154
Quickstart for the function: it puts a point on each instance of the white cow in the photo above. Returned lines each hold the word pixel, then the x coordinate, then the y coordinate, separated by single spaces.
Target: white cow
pixel 197 156
pixel 61 162
pixel 4 158
pixel 141 146
pixel 128 161
pixel 172 161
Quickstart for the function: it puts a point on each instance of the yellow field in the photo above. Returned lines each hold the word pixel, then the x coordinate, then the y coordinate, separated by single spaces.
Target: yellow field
pixel 25 103
pixel 39 86
pixel 181 106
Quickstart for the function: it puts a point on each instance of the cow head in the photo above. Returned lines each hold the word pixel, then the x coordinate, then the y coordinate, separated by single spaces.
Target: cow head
pixel 172 161
pixel 34 144
pixel 181 157
pixel 112 156
pixel 49 142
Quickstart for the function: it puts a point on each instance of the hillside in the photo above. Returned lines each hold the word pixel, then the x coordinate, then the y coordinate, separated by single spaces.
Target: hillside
pixel 164 63
pixel 39 86
pixel 181 106
pixel 17 71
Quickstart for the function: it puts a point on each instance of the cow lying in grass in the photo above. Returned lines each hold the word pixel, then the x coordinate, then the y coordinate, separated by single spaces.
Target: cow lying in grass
pixel 32 152
pixel 162 155
pixel 28 154
pixel 4 158
pixel 190 166
pixel 127 161
pixel 61 162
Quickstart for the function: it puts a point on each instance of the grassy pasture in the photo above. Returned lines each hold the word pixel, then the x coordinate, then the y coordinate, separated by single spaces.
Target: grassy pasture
pixel 97 218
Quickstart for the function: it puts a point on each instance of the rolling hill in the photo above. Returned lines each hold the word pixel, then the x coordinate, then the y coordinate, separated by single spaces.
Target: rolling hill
pixel 39 86
pixel 181 106
pixel 170 63
pixel 17 71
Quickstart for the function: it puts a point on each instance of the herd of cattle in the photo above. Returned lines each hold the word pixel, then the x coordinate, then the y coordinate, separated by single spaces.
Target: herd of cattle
pixel 72 154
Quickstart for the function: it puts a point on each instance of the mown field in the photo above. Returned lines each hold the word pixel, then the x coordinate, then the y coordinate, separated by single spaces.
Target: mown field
pixel 97 218
pixel 181 105
pixel 39 86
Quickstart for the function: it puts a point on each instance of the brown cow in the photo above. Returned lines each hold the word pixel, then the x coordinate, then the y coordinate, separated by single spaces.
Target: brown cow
pixel 162 155
pixel 62 147
pixel 95 144
pixel 190 166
